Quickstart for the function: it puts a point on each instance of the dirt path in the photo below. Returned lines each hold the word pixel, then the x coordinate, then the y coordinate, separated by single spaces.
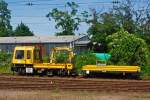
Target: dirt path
pixel 70 95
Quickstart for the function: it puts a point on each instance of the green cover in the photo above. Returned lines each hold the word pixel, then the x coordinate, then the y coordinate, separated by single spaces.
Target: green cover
pixel 103 56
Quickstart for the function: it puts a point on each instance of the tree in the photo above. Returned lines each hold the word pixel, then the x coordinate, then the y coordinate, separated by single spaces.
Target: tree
pixel 5 16
pixel 22 30
pixel 134 21
pixel 125 16
pixel 67 21
pixel 144 23
pixel 127 49
pixel 101 25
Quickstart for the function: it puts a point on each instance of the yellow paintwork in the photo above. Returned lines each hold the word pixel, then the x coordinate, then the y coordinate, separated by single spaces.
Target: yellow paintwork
pixel 53 66
pixel 111 68
pixel 68 66
pixel 23 61
pixel 36 65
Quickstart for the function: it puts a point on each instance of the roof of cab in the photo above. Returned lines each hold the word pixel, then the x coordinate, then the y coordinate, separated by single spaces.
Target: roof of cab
pixel 24 47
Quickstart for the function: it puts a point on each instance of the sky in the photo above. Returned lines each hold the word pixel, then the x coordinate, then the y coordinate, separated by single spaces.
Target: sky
pixel 34 16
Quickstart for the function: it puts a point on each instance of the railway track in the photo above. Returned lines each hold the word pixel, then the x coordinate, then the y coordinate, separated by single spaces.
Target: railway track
pixel 73 84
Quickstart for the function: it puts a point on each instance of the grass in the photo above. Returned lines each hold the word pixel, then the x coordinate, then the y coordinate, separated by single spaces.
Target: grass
pixel 146 96
pixel 143 96
pixel 5 70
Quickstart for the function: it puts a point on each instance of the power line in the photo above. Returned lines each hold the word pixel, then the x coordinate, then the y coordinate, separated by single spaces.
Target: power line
pixel 35 16
pixel 27 1
pixel 29 16
pixel 31 23
pixel 33 2
pixel 57 4
pixel 14 2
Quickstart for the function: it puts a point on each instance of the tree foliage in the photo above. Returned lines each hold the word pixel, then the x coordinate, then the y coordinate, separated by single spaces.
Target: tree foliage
pixel 125 15
pixel 122 15
pixel 5 58
pixel 62 58
pixel 127 49
pixel 67 21
pixel 5 16
pixel 22 30
pixel 5 62
pixel 101 25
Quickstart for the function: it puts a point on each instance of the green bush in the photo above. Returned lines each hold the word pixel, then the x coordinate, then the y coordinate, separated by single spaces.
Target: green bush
pixel 5 58
pixel 85 58
pixel 61 58
pixel 146 69
pixel 127 49
pixel 5 62
pixel 46 59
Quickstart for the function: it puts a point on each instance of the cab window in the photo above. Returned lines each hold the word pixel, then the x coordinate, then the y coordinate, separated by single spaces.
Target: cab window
pixel 19 54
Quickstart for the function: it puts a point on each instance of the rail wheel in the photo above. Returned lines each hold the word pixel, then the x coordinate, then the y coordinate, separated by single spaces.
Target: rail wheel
pixel 49 73
pixel 21 71
pixel 136 76
pixel 63 72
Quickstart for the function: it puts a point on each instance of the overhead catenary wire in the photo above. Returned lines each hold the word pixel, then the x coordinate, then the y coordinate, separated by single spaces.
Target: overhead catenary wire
pixel 28 16
pixel 41 1
pixel 43 6
pixel 55 5
pixel 30 23
pixel 31 3
pixel 58 5
pixel 26 1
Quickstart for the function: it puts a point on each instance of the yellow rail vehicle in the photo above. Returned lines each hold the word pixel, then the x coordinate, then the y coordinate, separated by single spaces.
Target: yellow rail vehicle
pixel 102 67
pixel 28 59
pixel 111 68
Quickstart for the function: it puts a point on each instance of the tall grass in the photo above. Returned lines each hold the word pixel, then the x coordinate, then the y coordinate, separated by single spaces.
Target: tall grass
pixel 5 62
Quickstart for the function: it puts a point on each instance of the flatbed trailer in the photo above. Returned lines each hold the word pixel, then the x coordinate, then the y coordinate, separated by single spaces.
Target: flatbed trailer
pixel 111 68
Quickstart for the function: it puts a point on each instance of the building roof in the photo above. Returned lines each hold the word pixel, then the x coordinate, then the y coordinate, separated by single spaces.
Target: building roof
pixel 39 39
pixel 82 42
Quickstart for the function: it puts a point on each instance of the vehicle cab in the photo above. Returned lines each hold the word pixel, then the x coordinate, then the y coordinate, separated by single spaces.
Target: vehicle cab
pixel 23 55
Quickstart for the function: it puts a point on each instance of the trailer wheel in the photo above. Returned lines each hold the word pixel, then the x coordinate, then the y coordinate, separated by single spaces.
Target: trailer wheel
pixel 85 74
pixel 136 76
pixel 63 72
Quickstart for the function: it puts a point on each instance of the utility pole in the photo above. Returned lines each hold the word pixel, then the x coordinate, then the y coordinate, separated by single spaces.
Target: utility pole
pixel 115 2
pixel 29 3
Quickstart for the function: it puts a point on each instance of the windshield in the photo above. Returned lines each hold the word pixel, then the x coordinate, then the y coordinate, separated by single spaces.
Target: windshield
pixel 19 54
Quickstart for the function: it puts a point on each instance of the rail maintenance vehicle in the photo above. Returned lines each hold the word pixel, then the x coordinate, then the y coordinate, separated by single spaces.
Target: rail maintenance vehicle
pixel 28 60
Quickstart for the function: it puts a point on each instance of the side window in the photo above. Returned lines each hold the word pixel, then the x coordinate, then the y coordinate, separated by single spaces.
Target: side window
pixel 28 54
pixel 19 54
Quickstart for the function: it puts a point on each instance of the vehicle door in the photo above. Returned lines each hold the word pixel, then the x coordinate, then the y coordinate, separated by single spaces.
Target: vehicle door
pixel 29 56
